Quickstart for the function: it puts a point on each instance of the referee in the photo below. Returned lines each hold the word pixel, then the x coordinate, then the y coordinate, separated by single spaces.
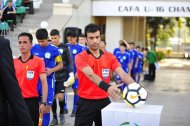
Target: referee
pixel 94 68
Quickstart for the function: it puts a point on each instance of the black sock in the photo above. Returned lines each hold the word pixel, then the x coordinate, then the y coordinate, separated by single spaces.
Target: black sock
pixel 61 105
pixel 54 108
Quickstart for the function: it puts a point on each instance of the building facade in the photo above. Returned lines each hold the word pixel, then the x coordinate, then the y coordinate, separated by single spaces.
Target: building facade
pixel 119 19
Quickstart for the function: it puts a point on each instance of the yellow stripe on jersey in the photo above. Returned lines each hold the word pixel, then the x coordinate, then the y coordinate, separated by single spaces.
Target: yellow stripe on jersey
pixel 58 59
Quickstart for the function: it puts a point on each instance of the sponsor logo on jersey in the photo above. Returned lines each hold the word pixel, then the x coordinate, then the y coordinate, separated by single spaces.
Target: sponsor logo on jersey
pixel 74 51
pixel 47 55
pixel 30 75
pixel 61 51
pixel 105 73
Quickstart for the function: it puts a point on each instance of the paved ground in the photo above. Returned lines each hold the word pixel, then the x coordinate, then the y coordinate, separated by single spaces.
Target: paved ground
pixel 170 89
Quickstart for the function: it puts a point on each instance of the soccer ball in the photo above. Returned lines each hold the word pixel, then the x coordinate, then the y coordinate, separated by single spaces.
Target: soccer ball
pixel 135 94
pixel 44 24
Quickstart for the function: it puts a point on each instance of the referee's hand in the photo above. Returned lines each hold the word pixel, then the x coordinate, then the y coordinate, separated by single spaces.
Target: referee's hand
pixel 42 109
pixel 113 91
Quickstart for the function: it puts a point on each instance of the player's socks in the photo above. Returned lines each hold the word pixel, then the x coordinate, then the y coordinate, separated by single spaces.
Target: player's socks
pixel 54 108
pixel 46 119
pixel 61 104
pixel 65 101
pixel 75 101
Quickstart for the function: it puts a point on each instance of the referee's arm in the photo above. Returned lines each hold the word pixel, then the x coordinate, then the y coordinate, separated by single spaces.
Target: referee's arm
pixel 91 75
pixel 125 77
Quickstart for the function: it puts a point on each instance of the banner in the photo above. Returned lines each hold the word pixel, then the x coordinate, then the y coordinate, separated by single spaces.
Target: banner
pixel 141 8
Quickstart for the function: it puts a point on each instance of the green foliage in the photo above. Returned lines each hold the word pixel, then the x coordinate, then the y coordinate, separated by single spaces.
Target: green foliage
pixel 188 22
pixel 160 55
pixel 163 27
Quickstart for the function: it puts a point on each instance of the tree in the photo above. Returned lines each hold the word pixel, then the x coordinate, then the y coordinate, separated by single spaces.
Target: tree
pixel 161 27
pixel 153 23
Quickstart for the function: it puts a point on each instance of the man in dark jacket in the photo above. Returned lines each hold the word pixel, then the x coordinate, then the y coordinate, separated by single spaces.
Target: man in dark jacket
pixel 9 90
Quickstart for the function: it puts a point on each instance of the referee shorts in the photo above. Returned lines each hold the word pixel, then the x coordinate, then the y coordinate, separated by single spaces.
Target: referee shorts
pixel 33 107
pixel 89 111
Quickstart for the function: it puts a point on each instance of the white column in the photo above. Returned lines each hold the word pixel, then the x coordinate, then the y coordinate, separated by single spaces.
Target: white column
pixel 114 32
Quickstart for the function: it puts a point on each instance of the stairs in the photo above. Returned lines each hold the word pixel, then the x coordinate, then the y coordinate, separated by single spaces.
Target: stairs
pixel 30 22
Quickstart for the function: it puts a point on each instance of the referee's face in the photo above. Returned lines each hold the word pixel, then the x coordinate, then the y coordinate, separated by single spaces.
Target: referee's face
pixel 93 40
pixel 24 44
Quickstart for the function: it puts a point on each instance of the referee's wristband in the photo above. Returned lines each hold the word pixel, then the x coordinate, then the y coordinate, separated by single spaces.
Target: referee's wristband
pixel 103 85
pixel 44 103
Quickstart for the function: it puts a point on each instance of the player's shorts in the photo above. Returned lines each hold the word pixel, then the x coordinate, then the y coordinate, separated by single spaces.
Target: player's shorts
pixel 59 87
pixel 51 90
pixel 75 84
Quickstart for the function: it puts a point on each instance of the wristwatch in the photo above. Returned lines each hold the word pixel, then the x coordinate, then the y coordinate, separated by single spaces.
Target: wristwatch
pixel 44 103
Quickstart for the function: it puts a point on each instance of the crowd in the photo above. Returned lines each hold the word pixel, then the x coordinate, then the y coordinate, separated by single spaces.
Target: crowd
pixel 44 71
pixel 9 9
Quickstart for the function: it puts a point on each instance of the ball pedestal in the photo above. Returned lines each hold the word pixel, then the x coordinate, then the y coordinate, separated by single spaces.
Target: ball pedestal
pixel 119 114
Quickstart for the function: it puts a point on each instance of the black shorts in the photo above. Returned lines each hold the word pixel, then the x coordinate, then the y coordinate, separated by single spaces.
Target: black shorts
pixel 33 106
pixel 59 87
pixel 89 111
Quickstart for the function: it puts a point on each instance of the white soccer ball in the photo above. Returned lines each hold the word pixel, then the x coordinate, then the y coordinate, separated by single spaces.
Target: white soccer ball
pixel 135 94
pixel 65 1
pixel 44 24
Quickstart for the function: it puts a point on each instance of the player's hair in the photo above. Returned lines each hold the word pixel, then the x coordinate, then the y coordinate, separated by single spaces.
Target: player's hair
pixel 131 43
pixel 138 47
pixel 54 32
pixel 41 34
pixel 81 35
pixel 27 35
pixel 146 49
pixel 122 43
pixel 104 42
pixel 72 34
pixel 92 28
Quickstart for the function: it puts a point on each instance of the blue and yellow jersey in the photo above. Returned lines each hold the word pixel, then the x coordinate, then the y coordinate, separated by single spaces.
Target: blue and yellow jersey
pixel 135 56
pixel 124 59
pixel 131 54
pixel 117 50
pixel 140 63
pixel 84 47
pixel 141 58
pixel 50 54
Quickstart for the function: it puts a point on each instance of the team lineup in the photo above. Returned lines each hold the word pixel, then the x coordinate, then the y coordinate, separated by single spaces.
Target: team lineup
pixel 45 70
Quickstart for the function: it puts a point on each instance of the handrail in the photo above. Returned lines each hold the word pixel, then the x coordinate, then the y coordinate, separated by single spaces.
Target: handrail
pixel 66 23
